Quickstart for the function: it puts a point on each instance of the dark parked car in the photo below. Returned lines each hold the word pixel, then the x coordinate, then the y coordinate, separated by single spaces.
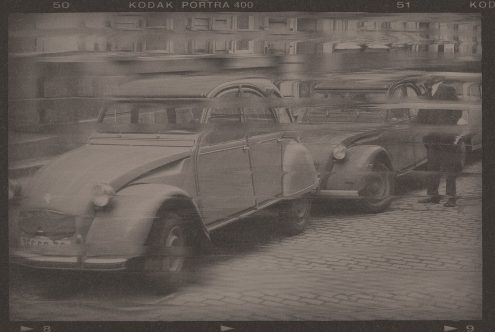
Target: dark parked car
pixel 468 91
pixel 173 159
pixel 360 147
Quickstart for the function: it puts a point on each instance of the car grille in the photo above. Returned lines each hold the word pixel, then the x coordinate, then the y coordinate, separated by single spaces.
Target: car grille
pixel 53 224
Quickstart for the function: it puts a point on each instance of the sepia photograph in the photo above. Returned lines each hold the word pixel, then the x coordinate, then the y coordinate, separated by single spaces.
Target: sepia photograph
pixel 244 166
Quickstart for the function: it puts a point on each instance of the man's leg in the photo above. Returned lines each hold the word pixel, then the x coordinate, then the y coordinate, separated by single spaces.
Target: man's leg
pixel 451 189
pixel 452 165
pixel 433 178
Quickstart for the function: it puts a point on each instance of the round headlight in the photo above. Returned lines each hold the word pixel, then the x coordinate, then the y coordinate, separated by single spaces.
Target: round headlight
pixel 339 152
pixel 102 194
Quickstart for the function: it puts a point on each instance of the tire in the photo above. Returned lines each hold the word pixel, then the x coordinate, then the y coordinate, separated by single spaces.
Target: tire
pixel 169 248
pixel 294 215
pixel 378 191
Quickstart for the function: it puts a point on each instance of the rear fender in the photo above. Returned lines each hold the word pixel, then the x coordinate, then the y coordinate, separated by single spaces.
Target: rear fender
pixel 299 171
pixel 123 228
pixel 350 173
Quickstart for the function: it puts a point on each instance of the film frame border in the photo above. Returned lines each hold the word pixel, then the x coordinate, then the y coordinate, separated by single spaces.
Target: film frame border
pixel 380 6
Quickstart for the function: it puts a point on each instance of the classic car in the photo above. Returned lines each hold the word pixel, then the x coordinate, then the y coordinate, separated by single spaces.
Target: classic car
pixel 361 146
pixel 173 159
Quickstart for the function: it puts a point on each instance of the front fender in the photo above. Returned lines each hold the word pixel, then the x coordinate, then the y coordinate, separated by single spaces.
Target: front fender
pixel 299 171
pixel 122 228
pixel 350 173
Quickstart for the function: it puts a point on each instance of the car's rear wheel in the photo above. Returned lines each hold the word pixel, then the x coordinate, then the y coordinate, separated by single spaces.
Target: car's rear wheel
pixel 294 215
pixel 168 252
pixel 378 190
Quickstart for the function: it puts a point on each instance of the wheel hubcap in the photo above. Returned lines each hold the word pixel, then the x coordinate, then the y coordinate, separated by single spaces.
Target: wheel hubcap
pixel 174 244
pixel 301 209
pixel 377 187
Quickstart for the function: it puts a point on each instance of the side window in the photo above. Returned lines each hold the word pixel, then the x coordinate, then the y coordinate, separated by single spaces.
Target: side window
pixel 259 119
pixel 404 91
pixel 224 123
pixel 398 115
pixel 283 115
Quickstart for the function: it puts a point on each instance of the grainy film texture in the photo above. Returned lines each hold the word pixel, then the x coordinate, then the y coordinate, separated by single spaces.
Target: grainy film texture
pixel 244 166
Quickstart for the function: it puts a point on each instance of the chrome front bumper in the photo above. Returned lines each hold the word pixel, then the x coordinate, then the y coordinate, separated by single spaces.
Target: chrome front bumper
pixel 68 262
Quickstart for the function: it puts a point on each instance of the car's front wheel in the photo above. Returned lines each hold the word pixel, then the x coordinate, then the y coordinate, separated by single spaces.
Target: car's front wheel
pixel 294 215
pixel 378 190
pixel 169 249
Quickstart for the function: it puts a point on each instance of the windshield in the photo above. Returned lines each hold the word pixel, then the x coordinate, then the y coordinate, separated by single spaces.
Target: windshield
pixel 127 117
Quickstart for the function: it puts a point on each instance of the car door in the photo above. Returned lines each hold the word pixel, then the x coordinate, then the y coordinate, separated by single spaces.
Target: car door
pixel 224 176
pixel 409 150
pixel 398 139
pixel 265 147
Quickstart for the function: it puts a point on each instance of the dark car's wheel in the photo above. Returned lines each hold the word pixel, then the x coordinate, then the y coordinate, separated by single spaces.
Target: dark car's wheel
pixel 294 215
pixel 168 251
pixel 378 189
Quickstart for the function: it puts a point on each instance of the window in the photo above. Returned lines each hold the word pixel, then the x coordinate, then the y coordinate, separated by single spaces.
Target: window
pixel 283 115
pixel 306 24
pixel 245 22
pixel 159 22
pixel 158 44
pixel 199 23
pixel 244 46
pixel 224 123
pixel 333 114
pixel 57 44
pixel 403 91
pixel 221 46
pixel 150 118
pixel 128 22
pixel 222 23
pixel 398 115
pixel 424 25
pixel 385 26
pixel 199 46
pixel 260 119
pixel 125 45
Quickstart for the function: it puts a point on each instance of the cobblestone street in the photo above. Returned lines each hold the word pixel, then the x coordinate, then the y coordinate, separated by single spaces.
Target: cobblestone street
pixel 415 261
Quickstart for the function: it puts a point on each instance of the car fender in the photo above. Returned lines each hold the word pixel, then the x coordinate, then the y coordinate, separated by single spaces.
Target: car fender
pixel 122 228
pixel 350 173
pixel 299 173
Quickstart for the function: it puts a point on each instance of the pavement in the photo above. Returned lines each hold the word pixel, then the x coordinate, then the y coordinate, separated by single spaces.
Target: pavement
pixel 413 262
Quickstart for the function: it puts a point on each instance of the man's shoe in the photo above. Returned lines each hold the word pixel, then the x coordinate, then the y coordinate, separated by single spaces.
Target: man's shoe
pixel 450 202
pixel 431 199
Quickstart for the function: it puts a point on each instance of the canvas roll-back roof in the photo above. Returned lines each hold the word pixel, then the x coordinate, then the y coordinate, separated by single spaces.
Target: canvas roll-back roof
pixel 185 86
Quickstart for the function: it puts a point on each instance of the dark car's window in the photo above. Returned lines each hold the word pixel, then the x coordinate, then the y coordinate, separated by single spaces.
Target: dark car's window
pixel 283 114
pixel 344 106
pixel 398 115
pixel 129 117
pixel 403 91
pixel 438 117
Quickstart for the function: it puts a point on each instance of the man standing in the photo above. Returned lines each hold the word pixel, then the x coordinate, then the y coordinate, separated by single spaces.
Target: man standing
pixel 444 155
